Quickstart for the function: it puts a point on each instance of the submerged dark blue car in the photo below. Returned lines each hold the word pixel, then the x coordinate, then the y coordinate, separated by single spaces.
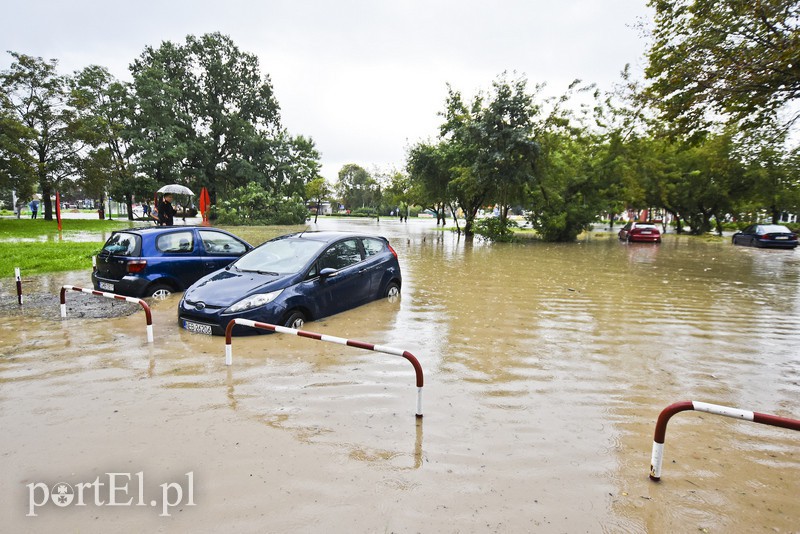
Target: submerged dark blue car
pixel 292 279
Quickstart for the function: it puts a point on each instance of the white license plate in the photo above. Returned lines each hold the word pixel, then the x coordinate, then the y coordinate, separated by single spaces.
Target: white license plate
pixel 646 232
pixel 106 286
pixel 197 328
pixel 782 237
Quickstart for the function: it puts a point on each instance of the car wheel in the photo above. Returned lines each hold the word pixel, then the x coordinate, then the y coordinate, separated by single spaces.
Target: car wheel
pixel 295 319
pixel 159 291
pixel 754 242
pixel 392 292
pixel 628 239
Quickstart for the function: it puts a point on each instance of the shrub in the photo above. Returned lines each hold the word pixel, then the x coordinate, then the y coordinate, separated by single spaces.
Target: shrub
pixel 494 229
pixel 253 205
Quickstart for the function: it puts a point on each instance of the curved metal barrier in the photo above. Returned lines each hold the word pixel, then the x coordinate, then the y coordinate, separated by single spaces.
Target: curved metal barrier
pixel 661 425
pixel 331 339
pixel 143 304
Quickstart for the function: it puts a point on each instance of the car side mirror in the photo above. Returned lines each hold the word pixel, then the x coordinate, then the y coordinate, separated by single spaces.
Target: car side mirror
pixel 327 272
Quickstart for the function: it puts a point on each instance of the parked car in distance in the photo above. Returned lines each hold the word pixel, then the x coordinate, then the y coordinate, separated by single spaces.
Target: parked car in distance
pixel 765 235
pixel 636 231
pixel 157 261
pixel 293 279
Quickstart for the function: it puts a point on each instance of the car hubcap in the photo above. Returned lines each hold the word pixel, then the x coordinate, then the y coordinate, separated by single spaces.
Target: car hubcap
pixel 393 294
pixel 161 294
pixel 297 323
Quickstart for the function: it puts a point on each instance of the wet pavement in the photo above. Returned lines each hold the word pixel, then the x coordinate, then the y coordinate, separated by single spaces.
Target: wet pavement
pixel 545 367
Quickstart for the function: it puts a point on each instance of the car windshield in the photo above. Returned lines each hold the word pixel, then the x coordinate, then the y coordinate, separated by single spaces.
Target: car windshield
pixel 121 244
pixel 279 256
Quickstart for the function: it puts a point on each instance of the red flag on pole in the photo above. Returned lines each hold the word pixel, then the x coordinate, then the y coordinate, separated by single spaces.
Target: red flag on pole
pixel 58 210
pixel 205 203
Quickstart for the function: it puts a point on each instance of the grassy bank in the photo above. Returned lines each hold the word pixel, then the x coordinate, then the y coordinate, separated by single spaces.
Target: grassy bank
pixel 37 247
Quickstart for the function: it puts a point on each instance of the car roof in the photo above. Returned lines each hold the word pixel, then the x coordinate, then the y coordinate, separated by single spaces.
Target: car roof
pixel 325 236
pixel 163 229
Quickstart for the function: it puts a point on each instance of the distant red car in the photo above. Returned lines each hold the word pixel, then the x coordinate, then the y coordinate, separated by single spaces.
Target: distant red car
pixel 645 232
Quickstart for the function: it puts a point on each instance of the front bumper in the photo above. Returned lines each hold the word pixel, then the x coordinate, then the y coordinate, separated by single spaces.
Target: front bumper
pixel 218 321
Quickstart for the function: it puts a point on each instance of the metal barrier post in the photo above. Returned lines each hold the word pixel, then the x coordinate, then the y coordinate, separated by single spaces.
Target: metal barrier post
pixel 142 303
pixel 18 276
pixel 331 339
pixel 657 456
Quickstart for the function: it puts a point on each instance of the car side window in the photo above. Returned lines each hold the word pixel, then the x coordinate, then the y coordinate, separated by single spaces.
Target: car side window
pixel 372 246
pixel 176 242
pixel 340 255
pixel 222 244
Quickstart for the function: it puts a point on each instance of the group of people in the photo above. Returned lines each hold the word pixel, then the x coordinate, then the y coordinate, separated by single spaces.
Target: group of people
pixel 165 213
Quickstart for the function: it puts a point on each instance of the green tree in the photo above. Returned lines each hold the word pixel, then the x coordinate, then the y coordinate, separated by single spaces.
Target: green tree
pixel 318 190
pixel 356 188
pixel 429 176
pixel 508 151
pixel 738 59
pixel 489 148
pixel 206 117
pixel 16 162
pixel 469 185
pixel 772 175
pixel 103 107
pixel 36 96
pixel 567 196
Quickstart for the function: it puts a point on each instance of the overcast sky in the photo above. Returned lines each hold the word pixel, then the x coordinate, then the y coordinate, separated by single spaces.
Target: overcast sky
pixel 365 79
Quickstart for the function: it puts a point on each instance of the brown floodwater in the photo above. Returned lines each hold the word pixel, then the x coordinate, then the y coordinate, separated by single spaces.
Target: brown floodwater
pixel 546 366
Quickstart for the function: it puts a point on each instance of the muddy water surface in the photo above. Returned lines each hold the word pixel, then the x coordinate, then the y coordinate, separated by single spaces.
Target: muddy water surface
pixel 545 369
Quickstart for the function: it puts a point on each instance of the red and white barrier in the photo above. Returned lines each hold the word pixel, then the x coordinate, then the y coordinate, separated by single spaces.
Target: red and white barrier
pixel 143 304
pixel 661 425
pixel 18 276
pixel 331 339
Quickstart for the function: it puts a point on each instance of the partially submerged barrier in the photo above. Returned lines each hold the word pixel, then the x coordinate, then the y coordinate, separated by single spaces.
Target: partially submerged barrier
pixel 143 304
pixel 18 276
pixel 331 339
pixel 661 425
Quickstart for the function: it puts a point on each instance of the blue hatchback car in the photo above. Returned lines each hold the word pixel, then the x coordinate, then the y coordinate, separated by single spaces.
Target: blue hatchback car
pixel 157 261
pixel 292 279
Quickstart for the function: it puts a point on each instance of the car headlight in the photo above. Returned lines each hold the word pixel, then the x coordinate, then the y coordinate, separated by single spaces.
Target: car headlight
pixel 254 301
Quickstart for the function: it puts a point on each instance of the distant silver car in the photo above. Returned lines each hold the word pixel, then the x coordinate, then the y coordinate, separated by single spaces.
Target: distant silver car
pixel 765 235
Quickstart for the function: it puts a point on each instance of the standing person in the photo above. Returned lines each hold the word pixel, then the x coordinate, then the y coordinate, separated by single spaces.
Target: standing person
pixel 166 212
pixel 34 206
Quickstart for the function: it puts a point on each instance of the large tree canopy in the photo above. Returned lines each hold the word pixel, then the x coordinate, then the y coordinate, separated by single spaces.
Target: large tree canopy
pixel 35 96
pixel 207 117
pixel 738 59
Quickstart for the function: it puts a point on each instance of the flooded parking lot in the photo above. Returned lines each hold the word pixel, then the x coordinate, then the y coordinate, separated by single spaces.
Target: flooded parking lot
pixel 546 366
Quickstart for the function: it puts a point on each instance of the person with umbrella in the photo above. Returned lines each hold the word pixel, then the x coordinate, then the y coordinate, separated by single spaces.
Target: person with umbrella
pixel 166 212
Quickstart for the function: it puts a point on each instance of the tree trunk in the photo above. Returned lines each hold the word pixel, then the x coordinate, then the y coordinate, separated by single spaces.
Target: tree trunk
pixel 47 204
pixel 129 203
